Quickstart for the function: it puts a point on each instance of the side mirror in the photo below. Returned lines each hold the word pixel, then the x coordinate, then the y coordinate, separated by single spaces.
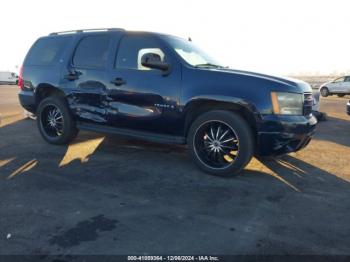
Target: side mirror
pixel 154 61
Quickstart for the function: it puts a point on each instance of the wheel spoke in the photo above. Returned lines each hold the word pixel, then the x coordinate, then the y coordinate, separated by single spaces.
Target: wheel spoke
pixel 212 132
pixel 207 136
pixel 217 133
pixel 223 135
pixel 230 139
pixel 230 147
pixel 56 113
pixel 217 144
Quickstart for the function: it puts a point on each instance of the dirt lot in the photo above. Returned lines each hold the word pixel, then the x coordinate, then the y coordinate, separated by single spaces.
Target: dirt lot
pixel 107 195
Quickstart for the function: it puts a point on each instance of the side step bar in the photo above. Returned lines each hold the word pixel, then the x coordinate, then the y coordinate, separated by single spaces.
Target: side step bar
pixel 141 135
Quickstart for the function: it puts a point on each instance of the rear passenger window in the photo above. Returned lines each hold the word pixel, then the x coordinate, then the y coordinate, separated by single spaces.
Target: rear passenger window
pixel 92 52
pixel 46 51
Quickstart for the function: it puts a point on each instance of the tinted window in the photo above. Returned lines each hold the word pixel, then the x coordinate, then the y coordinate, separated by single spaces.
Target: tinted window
pixel 131 50
pixel 46 51
pixel 92 51
pixel 347 79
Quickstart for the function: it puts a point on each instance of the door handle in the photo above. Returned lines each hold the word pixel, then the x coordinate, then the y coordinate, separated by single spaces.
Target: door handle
pixel 72 76
pixel 118 81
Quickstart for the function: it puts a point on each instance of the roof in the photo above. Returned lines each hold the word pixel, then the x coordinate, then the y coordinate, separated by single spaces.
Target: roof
pixel 86 31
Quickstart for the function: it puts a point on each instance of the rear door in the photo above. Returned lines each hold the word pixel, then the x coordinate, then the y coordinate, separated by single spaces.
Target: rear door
pixel 86 76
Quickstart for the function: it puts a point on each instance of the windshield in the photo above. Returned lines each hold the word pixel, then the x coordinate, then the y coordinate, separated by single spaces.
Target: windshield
pixel 190 53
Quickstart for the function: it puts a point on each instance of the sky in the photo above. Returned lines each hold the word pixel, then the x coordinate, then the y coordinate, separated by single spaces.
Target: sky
pixel 287 37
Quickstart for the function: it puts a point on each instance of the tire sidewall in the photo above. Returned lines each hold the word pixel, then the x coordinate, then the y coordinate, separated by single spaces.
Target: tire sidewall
pixel 324 91
pixel 243 133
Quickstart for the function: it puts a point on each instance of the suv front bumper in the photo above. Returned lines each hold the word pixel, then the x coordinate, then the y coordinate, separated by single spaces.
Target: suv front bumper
pixel 279 135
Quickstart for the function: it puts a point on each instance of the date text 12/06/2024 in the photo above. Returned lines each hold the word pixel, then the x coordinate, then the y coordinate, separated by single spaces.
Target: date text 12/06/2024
pixel 173 258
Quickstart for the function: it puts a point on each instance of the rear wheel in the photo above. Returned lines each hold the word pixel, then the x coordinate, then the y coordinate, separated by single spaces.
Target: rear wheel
pixel 220 143
pixel 55 122
pixel 324 91
pixel 341 95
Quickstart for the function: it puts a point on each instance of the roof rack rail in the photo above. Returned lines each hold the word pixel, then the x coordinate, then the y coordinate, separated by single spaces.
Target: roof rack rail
pixel 86 30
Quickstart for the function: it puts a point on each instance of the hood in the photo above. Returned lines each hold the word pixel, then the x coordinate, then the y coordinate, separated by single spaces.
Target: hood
pixel 283 80
pixel 247 79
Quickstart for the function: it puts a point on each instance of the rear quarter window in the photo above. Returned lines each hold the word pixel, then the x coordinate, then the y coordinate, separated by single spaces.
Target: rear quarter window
pixel 46 51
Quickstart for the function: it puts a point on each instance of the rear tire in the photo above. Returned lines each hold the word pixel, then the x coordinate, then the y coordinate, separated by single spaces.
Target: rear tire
pixel 55 122
pixel 220 143
pixel 341 95
pixel 324 91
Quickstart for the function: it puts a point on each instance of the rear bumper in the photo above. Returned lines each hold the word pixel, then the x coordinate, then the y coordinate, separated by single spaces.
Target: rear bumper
pixel 27 100
pixel 279 135
pixel 348 107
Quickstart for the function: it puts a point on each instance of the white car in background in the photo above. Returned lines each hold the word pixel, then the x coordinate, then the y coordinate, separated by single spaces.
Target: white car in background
pixel 339 86
pixel 8 78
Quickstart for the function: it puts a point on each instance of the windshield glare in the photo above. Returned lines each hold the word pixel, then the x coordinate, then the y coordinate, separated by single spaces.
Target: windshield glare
pixel 190 53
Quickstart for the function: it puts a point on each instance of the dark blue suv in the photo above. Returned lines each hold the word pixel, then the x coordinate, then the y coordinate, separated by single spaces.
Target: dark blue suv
pixel 164 89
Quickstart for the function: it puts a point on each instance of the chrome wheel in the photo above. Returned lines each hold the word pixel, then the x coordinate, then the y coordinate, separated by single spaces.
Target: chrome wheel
pixel 216 144
pixel 52 121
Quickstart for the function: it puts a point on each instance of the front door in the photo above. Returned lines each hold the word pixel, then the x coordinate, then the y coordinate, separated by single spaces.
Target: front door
pixel 140 98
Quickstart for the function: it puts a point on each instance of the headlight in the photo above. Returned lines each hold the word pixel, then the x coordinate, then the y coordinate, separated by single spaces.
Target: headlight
pixel 287 103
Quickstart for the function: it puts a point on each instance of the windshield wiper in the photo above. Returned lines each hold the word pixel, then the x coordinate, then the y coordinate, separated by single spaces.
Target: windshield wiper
pixel 209 65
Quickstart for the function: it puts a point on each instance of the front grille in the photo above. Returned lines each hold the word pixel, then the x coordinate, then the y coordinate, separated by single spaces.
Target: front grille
pixel 308 102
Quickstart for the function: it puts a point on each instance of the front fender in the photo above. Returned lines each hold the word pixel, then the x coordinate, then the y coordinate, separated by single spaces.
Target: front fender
pixel 234 102
pixel 201 104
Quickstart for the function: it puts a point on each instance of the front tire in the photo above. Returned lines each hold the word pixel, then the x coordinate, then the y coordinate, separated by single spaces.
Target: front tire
pixel 55 121
pixel 324 91
pixel 341 95
pixel 220 143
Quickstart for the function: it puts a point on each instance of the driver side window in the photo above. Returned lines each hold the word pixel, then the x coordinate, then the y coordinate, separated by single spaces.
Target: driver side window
pixel 131 49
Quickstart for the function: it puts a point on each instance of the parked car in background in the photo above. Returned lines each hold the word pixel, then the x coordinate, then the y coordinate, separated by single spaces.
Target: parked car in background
pixel 339 86
pixel 321 116
pixel 9 78
pixel 162 88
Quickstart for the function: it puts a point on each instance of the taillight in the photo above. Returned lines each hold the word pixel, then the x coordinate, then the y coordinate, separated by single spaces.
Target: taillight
pixel 20 79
